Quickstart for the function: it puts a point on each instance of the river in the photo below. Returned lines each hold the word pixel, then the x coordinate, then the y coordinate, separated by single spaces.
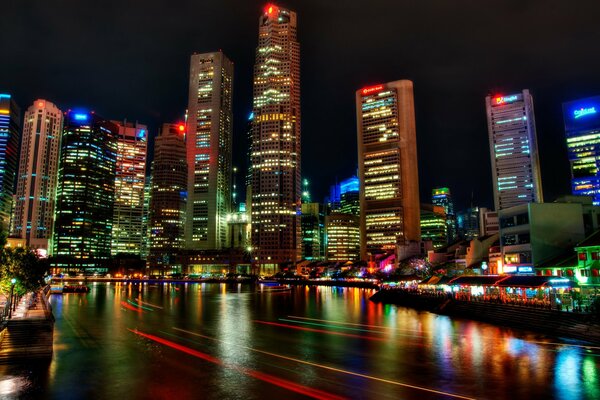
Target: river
pixel 237 341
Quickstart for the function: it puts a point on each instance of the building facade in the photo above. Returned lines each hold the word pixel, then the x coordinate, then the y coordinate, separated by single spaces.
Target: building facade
pixel 10 136
pixel 128 220
pixel 209 136
pixel 387 156
pixel 313 231
pixel 33 215
pixel 342 237
pixel 513 150
pixel 434 225
pixel 582 130
pixel 85 193
pixel 168 200
pixel 275 158
pixel 443 198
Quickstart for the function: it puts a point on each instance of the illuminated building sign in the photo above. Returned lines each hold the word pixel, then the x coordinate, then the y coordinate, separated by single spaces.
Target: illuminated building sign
pixel 510 269
pixel 499 100
pixel 582 112
pixel 372 89
pixel 80 117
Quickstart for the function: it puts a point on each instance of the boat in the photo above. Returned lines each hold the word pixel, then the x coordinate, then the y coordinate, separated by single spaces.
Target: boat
pixel 56 289
pixel 279 288
pixel 75 289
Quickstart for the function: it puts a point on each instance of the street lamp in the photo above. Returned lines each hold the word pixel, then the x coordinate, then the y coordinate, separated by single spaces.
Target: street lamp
pixel 12 289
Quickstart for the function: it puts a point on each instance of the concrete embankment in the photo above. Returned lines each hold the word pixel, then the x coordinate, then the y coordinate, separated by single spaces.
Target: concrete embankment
pixel 551 322
pixel 29 334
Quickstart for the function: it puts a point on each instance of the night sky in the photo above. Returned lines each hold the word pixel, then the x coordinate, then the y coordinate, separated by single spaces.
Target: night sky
pixel 130 59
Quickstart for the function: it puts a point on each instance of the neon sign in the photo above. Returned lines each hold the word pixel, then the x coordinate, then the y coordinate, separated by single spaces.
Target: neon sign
pixel 372 89
pixel 582 112
pixel 503 100
pixel 81 117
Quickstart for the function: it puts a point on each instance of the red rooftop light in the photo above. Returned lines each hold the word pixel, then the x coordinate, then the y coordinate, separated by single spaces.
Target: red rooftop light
pixel 372 89
pixel 181 127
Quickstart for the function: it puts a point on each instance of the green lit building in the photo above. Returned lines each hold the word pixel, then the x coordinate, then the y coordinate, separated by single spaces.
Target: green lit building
pixel 85 194
pixel 443 198
pixel 434 225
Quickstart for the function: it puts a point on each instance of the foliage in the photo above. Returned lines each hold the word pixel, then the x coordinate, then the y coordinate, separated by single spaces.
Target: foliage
pixel 23 265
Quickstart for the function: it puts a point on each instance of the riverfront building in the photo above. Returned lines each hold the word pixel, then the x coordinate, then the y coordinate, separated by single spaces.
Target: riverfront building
pixel 443 198
pixel 343 237
pixel 387 156
pixel 168 200
pixel 313 231
pixel 434 225
pixel 85 194
pixel 10 117
pixel 33 215
pixel 513 150
pixel 209 135
pixel 275 158
pixel 582 130
pixel 128 220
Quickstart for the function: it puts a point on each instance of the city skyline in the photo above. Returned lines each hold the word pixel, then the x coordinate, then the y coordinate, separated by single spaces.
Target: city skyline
pixel 448 115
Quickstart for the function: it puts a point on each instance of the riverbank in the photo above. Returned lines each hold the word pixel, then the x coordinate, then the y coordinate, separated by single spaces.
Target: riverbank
pixel 556 323
pixel 298 282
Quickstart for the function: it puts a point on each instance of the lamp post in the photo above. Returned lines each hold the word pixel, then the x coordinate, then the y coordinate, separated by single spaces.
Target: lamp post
pixel 12 289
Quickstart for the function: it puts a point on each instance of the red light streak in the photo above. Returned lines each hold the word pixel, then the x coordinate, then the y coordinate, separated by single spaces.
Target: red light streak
pixel 300 328
pixel 294 387
pixel 130 307
pixel 372 89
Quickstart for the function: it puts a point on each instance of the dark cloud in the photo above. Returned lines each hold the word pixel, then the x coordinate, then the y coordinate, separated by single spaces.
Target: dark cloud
pixel 130 59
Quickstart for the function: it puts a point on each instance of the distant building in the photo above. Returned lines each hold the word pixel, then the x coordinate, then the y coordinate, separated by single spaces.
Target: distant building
pixel 168 200
pixel 467 222
pixel 10 136
pixel 313 231
pixel 442 197
pixel 488 222
pixel 531 234
pixel 276 142
pixel 582 130
pixel 342 237
pixel 387 156
pixel 33 215
pixel 128 220
pixel 209 140
pixel 434 225
pixel 238 222
pixel 350 196
pixel 85 194
pixel 513 150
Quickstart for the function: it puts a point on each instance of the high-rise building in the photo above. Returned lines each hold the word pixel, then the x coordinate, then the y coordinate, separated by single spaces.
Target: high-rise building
pixel 467 222
pixel 85 194
pixel 350 196
pixel 33 215
pixel 442 197
pixel 168 199
pixel 127 230
pixel 209 135
pixel 582 129
pixel 276 183
pixel 488 222
pixel 434 225
pixel 146 218
pixel 10 118
pixel 513 150
pixel 313 231
pixel 387 157
pixel 342 237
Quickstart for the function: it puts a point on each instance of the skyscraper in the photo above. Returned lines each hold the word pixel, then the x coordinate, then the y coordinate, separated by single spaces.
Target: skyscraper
pixel 387 157
pixel 276 141
pixel 168 199
pixel 127 230
pixel 513 150
pixel 582 130
pixel 85 194
pixel 342 237
pixel 443 198
pixel 10 117
pixel 209 135
pixel 33 215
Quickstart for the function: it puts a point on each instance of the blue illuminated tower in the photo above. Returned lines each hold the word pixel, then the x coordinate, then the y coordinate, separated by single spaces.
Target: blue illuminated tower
pixel 582 130
pixel 10 115
pixel 85 195
pixel 513 150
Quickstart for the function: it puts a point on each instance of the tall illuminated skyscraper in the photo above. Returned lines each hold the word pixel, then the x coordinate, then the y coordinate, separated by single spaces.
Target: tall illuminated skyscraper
pixel 389 179
pixel 443 198
pixel 168 199
pixel 10 117
pixel 33 215
pixel 582 129
pixel 209 135
pixel 86 193
pixel 127 230
pixel 513 150
pixel 275 155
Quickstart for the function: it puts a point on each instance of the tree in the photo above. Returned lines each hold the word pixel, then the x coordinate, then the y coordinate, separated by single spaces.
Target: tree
pixel 23 265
